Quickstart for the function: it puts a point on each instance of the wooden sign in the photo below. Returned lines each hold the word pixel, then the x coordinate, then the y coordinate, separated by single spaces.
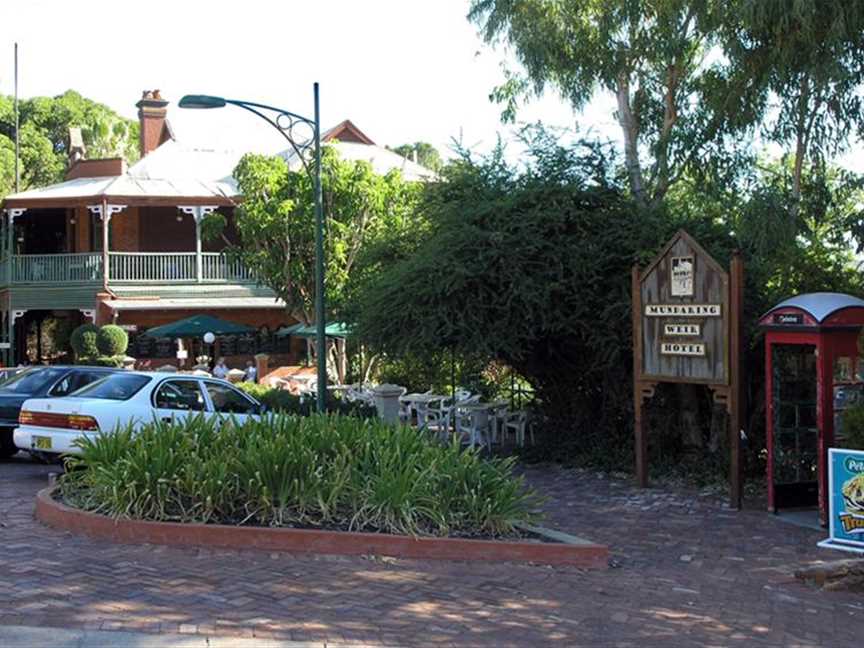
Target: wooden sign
pixel 698 295
pixel 686 329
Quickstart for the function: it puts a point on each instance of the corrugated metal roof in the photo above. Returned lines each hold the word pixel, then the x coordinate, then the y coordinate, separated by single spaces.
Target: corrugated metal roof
pixel 175 171
pixel 820 305
pixel 383 160
pixel 192 304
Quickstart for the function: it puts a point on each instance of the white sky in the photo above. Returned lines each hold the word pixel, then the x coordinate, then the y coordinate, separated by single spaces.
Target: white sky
pixel 402 70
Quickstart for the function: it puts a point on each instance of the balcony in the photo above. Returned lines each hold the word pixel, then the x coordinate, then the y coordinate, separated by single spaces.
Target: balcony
pixel 125 268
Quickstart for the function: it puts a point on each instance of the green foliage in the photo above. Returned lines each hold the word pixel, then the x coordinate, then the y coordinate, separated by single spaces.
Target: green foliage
pixel 651 56
pixel 44 129
pixel 283 401
pixel 112 340
pixel 276 222
pixel 105 361
pixel 852 424
pixel 83 341
pixel 426 154
pixel 317 471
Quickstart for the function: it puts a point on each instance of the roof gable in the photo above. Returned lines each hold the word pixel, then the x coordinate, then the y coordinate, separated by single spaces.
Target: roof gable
pixel 346 131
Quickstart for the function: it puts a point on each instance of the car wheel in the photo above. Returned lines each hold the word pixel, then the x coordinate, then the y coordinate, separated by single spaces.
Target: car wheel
pixel 7 445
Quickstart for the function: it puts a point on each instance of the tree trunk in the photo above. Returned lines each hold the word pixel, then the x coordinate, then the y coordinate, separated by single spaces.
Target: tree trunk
pixel 688 420
pixel 631 139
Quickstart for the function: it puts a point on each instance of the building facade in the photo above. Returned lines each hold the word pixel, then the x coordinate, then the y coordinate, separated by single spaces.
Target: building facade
pixel 122 245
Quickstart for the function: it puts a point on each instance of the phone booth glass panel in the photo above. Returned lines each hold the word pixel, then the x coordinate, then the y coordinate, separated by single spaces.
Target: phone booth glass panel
pixel 813 373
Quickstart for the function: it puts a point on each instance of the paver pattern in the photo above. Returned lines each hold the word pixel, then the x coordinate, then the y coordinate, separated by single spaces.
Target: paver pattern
pixel 688 572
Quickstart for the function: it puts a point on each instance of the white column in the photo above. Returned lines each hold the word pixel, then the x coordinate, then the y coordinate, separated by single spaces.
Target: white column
pixel 12 214
pixel 198 212
pixel 105 212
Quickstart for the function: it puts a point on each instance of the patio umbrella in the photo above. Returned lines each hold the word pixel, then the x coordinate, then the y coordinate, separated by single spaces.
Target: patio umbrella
pixel 197 326
pixel 333 330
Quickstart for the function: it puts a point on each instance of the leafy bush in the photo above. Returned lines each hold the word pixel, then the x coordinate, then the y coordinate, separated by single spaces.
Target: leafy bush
pixel 327 471
pixel 852 425
pixel 112 340
pixel 280 400
pixel 107 361
pixel 83 341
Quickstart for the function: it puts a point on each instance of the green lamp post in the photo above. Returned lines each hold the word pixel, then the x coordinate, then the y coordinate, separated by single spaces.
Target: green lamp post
pixel 286 122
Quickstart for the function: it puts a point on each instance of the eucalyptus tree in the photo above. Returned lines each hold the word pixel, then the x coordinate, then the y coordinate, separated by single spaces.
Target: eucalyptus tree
pixel 801 64
pixel 657 57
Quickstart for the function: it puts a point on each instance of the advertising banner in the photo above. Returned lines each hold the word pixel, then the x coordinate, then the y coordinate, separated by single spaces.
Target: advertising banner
pixel 845 500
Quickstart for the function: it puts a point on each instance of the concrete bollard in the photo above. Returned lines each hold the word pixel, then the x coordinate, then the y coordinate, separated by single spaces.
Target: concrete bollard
pixel 387 402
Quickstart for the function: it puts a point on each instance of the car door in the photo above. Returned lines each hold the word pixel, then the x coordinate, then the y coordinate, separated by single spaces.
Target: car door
pixel 230 402
pixel 177 399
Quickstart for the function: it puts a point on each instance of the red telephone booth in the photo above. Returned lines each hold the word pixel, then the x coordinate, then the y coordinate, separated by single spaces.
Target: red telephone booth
pixel 813 371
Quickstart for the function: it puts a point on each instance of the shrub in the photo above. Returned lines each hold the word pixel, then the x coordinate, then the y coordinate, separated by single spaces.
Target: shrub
pixel 852 426
pixel 282 401
pixel 107 361
pixel 112 340
pixel 326 471
pixel 83 341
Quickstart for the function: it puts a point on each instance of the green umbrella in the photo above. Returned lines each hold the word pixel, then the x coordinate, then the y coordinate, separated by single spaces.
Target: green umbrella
pixel 197 326
pixel 333 330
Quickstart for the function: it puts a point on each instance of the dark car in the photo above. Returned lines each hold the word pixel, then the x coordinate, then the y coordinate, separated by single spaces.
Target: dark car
pixel 39 382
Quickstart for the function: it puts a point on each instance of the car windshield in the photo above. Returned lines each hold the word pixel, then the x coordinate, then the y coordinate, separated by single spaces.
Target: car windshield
pixel 32 380
pixel 117 387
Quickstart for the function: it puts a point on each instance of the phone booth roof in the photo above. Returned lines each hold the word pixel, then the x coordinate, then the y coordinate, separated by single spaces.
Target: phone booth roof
pixel 820 310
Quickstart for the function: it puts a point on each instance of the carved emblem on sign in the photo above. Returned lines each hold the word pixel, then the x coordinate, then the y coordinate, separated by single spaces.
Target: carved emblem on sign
pixel 681 276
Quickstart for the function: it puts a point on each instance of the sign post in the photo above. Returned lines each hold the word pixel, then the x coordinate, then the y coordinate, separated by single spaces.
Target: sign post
pixel 687 329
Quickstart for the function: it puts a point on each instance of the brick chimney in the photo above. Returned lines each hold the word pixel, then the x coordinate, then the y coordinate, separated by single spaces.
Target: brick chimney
pixel 151 116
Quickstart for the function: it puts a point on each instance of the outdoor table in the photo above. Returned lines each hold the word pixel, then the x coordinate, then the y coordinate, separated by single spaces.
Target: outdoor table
pixel 419 403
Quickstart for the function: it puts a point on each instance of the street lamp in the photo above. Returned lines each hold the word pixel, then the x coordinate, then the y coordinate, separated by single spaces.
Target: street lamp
pixel 286 122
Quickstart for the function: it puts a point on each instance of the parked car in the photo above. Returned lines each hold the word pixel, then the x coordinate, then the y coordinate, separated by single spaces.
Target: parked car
pixel 50 426
pixel 41 381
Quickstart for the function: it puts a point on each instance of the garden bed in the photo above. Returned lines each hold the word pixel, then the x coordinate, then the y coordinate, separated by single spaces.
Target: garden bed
pixel 551 548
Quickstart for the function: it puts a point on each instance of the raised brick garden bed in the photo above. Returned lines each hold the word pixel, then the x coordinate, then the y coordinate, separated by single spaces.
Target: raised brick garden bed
pixel 555 548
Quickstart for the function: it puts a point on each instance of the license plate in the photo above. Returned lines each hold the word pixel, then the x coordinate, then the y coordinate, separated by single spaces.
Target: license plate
pixel 42 442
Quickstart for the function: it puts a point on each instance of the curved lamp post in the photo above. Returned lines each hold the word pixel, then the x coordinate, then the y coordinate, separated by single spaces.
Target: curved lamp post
pixel 287 123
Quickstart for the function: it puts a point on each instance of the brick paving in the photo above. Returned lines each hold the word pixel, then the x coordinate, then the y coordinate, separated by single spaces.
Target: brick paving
pixel 688 572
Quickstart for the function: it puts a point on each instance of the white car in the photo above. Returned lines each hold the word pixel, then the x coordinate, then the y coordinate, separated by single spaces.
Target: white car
pixel 51 425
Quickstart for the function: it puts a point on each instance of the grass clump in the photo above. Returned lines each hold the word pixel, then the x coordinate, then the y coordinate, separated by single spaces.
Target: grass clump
pixel 322 471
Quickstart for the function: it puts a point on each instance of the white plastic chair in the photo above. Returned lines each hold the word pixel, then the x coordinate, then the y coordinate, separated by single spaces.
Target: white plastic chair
pixel 516 423
pixel 472 425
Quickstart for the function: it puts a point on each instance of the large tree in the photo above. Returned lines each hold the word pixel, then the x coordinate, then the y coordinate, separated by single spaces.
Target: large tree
pixel 44 131
pixel 801 65
pixel 421 152
pixel 276 223
pixel 652 55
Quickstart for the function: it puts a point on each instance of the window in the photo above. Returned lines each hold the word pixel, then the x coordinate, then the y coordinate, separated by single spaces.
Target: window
pixel 180 395
pixel 229 401
pixel 119 387
pixel 32 380
pixel 73 381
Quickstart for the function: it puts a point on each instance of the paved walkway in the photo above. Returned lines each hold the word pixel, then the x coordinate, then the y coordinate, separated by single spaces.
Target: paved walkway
pixel 689 573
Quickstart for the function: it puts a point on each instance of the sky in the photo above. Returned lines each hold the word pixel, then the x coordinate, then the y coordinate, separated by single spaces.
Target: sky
pixel 401 70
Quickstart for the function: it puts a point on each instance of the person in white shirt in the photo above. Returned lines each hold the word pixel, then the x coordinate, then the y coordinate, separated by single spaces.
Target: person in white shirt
pixel 251 373
pixel 220 370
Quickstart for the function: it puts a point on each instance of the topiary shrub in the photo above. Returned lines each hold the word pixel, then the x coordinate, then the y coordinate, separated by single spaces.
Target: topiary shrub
pixel 107 361
pixel 83 341
pixel 112 340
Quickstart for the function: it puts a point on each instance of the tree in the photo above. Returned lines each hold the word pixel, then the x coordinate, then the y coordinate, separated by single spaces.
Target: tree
pixel 44 129
pixel 802 64
pixel 426 154
pixel 651 55
pixel 276 223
